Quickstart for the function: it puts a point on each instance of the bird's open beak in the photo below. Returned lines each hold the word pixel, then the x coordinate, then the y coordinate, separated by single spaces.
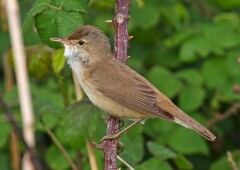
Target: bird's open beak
pixel 61 40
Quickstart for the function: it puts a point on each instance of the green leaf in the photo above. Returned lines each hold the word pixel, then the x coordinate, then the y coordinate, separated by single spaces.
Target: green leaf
pixel 232 64
pixel 56 159
pixel 159 130
pixel 165 81
pixel 4 132
pixel 191 76
pixel 215 72
pixel 50 118
pixel 39 62
pixel 74 5
pixel 162 152
pixel 38 7
pixel 154 163
pixel 194 47
pixel 187 141
pixel 133 149
pixel 56 23
pixel 191 98
pixel 150 10
pixel 166 57
pixel 183 163
pixel 178 37
pixel 226 30
pixel 80 122
pixel 58 60
pixel 134 132
pixel 174 14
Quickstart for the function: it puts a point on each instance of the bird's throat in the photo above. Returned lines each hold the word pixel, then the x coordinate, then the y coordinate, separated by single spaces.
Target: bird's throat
pixel 76 58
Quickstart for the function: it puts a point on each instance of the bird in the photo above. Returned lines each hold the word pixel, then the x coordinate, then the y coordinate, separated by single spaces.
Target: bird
pixel 116 88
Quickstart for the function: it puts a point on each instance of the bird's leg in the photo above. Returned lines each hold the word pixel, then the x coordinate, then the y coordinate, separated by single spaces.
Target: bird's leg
pixel 116 136
pixel 120 147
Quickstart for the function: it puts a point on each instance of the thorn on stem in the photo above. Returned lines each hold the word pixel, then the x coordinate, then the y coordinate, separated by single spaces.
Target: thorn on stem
pixel 236 89
pixel 130 37
pixel 109 21
pixel 238 60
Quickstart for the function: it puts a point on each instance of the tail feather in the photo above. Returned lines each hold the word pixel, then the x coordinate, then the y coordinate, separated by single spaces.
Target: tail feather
pixel 186 121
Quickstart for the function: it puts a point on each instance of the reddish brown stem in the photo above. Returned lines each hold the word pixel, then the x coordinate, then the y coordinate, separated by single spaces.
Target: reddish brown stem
pixel 120 52
pixel 110 146
pixel 121 31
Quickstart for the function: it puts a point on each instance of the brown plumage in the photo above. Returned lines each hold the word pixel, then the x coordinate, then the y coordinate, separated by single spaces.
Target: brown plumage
pixel 115 87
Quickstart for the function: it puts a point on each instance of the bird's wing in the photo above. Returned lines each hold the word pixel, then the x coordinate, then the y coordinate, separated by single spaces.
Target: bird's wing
pixel 129 89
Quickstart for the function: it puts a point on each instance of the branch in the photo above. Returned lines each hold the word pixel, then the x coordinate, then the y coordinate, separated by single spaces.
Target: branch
pixel 219 117
pixel 35 160
pixel 22 77
pixel 120 52
pixel 231 161
pixel 8 85
pixel 59 146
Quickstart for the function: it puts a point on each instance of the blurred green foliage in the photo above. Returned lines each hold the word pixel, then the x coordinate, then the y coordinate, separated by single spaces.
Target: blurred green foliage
pixel 187 49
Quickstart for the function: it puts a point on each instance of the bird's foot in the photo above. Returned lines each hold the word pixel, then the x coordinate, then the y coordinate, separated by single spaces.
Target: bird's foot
pixel 110 137
pixel 120 147
pixel 97 146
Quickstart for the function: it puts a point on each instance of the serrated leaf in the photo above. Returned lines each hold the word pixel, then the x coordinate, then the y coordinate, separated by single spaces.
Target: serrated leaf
pixel 58 60
pixel 38 62
pixel 134 132
pixel 161 151
pixel 56 23
pixel 133 149
pixel 191 98
pixel 190 76
pixel 150 10
pixel 187 141
pixel 50 115
pixel 56 159
pixel 38 7
pixel 215 72
pixel 73 5
pixel 81 122
pixel 166 57
pixel 165 81
pixel 178 37
pixel 174 14
pixel 194 47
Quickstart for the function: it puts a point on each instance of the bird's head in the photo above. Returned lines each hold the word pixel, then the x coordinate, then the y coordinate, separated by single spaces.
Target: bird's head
pixel 86 43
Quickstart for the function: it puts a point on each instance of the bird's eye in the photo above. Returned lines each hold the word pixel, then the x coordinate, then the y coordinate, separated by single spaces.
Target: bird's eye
pixel 81 42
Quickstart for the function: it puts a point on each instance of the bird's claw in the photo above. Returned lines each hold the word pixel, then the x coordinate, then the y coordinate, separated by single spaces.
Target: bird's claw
pixel 111 137
pixel 120 147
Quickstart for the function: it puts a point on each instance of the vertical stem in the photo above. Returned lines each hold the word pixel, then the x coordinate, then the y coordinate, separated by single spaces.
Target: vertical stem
pixel 8 85
pixel 120 22
pixel 22 77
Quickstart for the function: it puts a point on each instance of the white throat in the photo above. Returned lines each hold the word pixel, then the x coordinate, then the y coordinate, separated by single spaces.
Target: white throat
pixel 76 58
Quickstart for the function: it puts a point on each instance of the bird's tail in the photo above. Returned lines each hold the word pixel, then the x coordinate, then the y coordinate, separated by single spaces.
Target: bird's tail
pixel 186 121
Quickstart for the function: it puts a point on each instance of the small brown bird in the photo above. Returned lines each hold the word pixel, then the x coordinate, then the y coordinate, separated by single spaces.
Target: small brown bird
pixel 116 88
